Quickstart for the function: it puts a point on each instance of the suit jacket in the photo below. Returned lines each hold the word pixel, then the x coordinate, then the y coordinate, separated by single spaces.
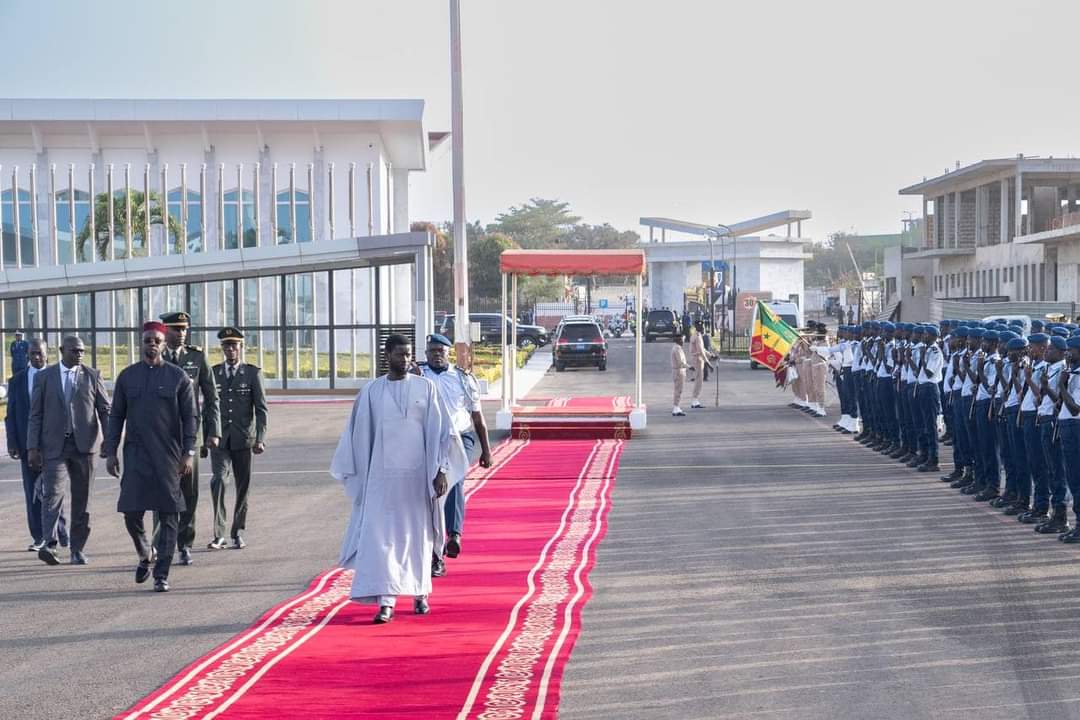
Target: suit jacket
pixel 89 410
pixel 243 406
pixel 17 422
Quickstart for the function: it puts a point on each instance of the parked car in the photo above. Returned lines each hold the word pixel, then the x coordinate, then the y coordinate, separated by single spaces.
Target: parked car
pixel 490 332
pixel 661 323
pixel 579 343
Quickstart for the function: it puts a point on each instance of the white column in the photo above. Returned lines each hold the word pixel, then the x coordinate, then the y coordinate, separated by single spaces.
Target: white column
pixel 1003 214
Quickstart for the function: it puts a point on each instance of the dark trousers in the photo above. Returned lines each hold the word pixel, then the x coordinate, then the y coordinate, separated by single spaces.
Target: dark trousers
pixel 961 439
pixel 1055 461
pixel 989 473
pixel 165 543
pixel 229 467
pixel 1036 457
pixel 1018 475
pixel 189 488
pixel 928 403
pixel 886 406
pixel 33 504
pixel 455 499
pixel 1070 451
pixel 849 405
pixel 74 470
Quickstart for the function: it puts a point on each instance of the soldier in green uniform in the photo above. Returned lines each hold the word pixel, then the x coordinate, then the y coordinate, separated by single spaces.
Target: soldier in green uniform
pixel 192 360
pixel 243 424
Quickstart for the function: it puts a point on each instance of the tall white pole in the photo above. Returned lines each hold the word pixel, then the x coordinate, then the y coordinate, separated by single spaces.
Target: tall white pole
pixel 461 251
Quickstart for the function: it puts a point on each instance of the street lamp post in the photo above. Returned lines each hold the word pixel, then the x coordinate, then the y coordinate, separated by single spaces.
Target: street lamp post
pixel 462 325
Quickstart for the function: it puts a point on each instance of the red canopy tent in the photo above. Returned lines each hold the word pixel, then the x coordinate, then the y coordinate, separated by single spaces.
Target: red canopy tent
pixel 565 262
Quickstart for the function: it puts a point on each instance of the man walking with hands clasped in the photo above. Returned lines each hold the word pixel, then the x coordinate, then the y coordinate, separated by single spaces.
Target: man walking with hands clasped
pixel 243 433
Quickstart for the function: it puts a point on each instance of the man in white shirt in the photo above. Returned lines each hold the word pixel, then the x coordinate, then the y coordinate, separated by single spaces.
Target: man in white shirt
pixel 1031 382
pixel 928 373
pixel 460 395
pixel 1069 430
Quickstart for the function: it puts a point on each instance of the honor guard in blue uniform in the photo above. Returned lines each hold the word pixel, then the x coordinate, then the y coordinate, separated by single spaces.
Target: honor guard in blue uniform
pixel 192 360
pixel 460 395
pixel 243 434
pixel 20 353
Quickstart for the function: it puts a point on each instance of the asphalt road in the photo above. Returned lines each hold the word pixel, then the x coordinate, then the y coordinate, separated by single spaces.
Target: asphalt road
pixel 756 564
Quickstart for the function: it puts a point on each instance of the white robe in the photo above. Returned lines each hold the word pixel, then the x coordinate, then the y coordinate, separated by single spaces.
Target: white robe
pixel 387 461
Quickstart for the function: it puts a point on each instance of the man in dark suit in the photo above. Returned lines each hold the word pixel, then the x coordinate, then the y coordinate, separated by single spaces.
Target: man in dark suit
pixel 153 401
pixel 192 360
pixel 68 409
pixel 17 423
pixel 243 421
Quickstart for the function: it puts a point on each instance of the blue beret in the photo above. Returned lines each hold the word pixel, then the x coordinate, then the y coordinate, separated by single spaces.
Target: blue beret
pixel 439 340
pixel 1073 342
pixel 961 331
pixel 930 330
pixel 1059 331
pixel 1040 338
pixel 1058 342
pixel 1016 343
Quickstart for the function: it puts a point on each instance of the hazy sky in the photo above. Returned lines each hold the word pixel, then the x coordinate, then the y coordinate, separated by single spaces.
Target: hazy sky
pixel 704 111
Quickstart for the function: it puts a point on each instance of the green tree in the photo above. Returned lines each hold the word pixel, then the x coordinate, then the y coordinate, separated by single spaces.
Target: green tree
pixel 536 224
pixel 102 240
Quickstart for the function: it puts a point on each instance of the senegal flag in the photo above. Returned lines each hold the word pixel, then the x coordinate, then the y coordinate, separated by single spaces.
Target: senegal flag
pixel 772 337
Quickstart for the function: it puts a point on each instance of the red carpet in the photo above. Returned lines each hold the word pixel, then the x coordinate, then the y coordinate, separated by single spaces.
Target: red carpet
pixel 503 622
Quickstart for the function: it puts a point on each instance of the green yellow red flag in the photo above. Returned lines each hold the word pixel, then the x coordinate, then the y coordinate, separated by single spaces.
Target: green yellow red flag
pixel 771 338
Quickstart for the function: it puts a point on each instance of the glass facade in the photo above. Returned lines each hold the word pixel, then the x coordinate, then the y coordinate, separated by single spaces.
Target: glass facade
pixel 305 330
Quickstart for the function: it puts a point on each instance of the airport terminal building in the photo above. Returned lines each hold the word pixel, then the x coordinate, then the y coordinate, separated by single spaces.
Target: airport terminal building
pixel 288 219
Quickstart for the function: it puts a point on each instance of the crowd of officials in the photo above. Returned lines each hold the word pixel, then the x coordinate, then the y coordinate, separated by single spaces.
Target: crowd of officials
pixel 166 411
pixel 1007 402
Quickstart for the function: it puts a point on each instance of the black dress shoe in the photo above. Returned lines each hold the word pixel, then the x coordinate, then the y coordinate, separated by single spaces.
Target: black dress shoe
pixel 161 585
pixel 420 606
pixel 453 545
pixel 1033 516
pixel 48 556
pixel 385 615
pixel 185 557
pixel 142 571
pixel 438 567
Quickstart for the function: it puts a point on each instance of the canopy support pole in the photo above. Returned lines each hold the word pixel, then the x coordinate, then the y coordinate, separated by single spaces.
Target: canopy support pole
pixel 502 345
pixel 513 336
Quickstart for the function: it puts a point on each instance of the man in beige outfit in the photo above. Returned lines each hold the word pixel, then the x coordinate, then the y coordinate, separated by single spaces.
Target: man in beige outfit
pixel 678 373
pixel 698 358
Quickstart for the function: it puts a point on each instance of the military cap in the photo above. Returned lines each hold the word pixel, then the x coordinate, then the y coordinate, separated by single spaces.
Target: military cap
pixel 438 339
pixel 230 334
pixel 1058 342
pixel 1059 331
pixel 176 319
pixel 1016 343
pixel 1038 338
pixel 1073 342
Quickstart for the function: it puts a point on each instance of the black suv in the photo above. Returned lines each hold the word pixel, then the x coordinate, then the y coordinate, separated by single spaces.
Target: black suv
pixel 490 333
pixel 579 344
pixel 661 323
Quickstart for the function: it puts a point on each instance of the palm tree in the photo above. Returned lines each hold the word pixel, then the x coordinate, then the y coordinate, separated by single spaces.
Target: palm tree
pixel 102 241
